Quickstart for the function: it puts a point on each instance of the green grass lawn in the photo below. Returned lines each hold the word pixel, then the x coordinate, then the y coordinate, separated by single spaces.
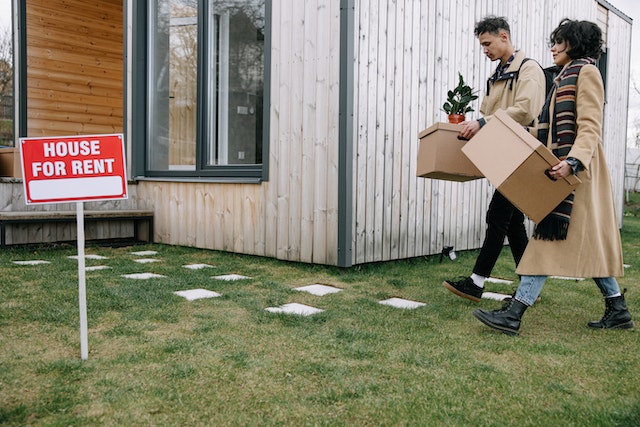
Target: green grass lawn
pixel 158 359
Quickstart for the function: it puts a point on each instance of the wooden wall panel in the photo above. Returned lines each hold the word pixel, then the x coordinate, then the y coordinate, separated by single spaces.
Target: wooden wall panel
pixel 293 215
pixel 617 105
pixel 280 172
pixel 225 217
pixel 75 56
pixel 12 199
pixel 408 54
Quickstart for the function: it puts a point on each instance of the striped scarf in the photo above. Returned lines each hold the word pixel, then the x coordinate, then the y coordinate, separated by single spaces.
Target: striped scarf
pixel 555 226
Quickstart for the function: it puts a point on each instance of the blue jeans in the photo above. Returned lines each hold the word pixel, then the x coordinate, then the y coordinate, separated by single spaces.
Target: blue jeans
pixel 531 286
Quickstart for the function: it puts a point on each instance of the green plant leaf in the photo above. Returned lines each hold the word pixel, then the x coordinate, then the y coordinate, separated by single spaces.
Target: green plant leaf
pixel 459 98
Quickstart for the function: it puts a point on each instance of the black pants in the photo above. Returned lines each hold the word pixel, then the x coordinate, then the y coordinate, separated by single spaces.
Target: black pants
pixel 503 220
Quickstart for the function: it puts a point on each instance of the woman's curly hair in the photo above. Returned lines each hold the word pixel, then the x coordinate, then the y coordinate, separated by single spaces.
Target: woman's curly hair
pixel 584 38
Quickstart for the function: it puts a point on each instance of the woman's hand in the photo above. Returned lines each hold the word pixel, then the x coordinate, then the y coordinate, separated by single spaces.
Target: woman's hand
pixel 561 170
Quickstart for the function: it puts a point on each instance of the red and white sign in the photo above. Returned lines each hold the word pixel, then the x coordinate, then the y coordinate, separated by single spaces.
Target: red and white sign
pixel 73 168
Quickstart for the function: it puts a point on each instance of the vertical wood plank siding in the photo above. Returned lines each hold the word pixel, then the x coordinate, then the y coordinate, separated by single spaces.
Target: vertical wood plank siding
pixel 293 215
pixel 407 55
pixel 74 67
pixel 74 85
pixel 12 199
pixel 617 99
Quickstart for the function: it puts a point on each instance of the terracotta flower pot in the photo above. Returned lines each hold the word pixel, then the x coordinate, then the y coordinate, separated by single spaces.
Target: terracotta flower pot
pixel 456 118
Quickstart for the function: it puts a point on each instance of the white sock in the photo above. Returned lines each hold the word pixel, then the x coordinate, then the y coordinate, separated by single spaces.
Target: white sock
pixel 478 280
pixel 614 295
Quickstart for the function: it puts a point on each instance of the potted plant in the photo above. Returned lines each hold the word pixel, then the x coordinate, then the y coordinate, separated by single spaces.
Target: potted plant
pixel 458 100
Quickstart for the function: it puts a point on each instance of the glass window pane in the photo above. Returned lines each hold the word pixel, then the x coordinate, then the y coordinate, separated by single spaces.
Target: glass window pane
pixel 230 109
pixel 235 61
pixel 6 87
pixel 173 83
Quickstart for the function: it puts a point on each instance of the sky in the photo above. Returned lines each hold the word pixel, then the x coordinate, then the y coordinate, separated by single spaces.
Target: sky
pixel 5 14
pixel 630 8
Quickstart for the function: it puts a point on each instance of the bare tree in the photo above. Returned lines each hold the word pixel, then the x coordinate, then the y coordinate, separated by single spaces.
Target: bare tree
pixel 6 87
pixel 6 61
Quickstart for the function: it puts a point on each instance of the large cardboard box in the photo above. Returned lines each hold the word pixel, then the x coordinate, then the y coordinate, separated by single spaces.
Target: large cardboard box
pixel 515 162
pixel 439 155
pixel 10 162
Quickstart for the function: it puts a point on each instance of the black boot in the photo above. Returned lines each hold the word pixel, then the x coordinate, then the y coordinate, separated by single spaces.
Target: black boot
pixel 616 315
pixel 506 319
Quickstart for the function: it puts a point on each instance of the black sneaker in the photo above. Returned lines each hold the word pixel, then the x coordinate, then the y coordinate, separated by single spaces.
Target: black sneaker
pixel 464 288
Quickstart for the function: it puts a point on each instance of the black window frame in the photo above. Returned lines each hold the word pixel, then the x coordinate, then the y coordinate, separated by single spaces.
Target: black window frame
pixel 140 109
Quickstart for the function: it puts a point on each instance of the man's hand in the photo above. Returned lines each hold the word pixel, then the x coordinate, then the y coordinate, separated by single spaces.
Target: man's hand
pixel 469 128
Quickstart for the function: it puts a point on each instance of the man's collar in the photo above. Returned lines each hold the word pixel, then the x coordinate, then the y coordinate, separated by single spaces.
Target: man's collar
pixel 510 60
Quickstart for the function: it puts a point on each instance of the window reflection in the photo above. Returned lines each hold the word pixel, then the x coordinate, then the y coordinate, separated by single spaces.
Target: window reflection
pixel 232 43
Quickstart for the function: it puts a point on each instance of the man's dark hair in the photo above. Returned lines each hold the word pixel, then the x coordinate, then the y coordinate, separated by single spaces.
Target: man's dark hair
pixel 584 38
pixel 492 24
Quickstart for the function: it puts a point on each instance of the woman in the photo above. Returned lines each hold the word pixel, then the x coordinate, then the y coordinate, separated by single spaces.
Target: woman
pixel 580 238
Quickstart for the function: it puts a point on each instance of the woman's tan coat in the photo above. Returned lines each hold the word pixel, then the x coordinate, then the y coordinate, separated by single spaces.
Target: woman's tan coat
pixel 592 247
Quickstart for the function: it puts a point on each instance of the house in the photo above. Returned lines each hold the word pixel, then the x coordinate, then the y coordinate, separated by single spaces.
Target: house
pixel 287 128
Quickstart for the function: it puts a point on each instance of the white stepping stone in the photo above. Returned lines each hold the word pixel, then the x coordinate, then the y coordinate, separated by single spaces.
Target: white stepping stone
pixel 295 308
pixel 194 294
pixel 495 296
pixel 230 277
pixel 96 267
pixel 402 303
pixel 32 262
pixel 146 260
pixel 318 289
pixel 144 253
pixel 567 278
pixel 496 280
pixel 89 256
pixel 143 276
pixel 197 266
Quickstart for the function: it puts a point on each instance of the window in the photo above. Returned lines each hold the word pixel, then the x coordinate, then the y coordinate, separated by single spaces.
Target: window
pixel 206 67
pixel 6 87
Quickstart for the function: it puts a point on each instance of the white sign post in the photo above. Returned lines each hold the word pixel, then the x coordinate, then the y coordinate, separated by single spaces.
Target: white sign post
pixel 74 169
pixel 82 283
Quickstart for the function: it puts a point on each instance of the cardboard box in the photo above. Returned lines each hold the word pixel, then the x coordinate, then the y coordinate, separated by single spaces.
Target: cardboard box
pixel 514 161
pixel 10 162
pixel 439 155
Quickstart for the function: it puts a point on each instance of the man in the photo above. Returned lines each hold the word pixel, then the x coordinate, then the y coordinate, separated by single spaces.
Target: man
pixel 517 87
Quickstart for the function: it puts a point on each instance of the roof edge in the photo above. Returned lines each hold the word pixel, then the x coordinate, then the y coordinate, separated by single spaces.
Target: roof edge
pixel 615 10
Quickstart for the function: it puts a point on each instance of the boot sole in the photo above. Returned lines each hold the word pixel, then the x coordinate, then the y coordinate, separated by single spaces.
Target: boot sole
pixel 478 315
pixel 460 294
pixel 626 325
